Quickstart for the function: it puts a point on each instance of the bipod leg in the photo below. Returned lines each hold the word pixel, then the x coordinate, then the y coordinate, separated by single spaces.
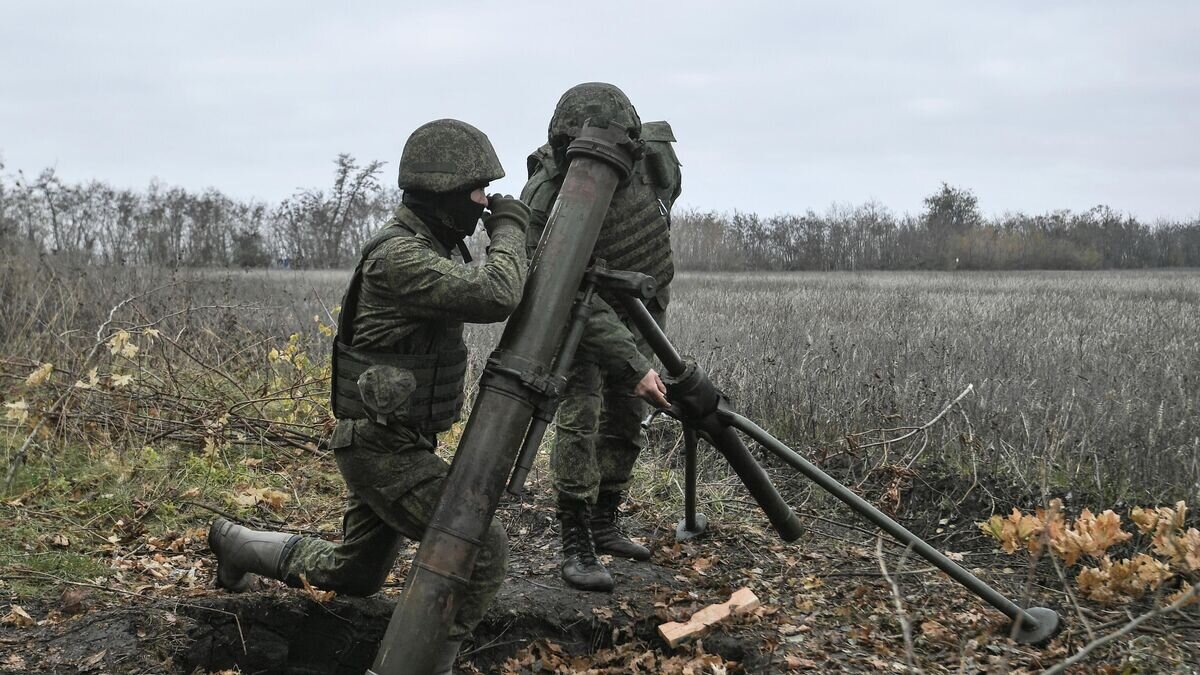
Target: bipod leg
pixel 695 402
pixel 701 405
pixel 693 524
pixel 1033 625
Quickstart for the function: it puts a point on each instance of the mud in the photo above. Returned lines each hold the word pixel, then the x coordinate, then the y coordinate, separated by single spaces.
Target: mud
pixel 285 631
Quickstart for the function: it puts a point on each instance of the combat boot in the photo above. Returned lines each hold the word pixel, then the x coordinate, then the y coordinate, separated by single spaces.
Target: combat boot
pixel 241 551
pixel 444 665
pixel 606 531
pixel 580 567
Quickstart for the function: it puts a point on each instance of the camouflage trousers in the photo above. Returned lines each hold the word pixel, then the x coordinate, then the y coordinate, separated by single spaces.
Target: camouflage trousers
pixel 598 429
pixel 395 483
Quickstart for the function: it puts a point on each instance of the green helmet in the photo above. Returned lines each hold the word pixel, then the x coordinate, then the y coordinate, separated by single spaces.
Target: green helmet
pixel 448 156
pixel 598 101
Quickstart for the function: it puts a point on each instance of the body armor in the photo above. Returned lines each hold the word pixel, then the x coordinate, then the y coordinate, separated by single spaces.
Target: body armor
pixel 636 233
pixel 438 372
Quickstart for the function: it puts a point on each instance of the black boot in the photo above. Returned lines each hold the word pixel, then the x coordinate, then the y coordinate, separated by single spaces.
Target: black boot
pixel 580 567
pixel 607 533
pixel 241 551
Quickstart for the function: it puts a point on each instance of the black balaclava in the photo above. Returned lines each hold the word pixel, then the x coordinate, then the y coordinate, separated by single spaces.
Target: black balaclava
pixel 450 216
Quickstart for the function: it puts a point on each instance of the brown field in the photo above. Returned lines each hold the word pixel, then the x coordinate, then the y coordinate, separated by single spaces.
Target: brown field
pixel 1083 385
pixel 1083 381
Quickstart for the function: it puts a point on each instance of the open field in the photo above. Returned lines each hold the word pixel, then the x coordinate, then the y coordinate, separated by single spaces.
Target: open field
pixel 1082 385
pixel 1082 381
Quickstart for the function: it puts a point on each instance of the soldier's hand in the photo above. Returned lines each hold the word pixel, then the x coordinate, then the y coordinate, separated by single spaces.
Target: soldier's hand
pixel 652 389
pixel 505 209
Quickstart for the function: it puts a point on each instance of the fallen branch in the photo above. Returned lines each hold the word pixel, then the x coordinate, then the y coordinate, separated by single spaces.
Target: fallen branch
pixel 901 615
pixel 913 430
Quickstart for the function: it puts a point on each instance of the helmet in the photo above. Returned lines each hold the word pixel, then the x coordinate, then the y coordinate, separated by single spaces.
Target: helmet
pixel 448 156
pixel 598 101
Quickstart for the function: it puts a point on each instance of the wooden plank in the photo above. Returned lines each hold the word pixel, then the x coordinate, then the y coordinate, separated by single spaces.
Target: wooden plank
pixel 675 633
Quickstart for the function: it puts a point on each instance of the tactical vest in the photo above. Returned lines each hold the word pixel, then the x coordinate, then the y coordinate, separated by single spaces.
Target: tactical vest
pixel 437 400
pixel 636 232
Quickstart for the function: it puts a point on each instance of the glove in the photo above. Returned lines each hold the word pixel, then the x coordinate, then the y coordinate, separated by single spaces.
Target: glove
pixel 506 209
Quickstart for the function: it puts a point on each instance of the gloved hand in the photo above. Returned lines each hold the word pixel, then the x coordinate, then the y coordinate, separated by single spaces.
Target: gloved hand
pixel 505 209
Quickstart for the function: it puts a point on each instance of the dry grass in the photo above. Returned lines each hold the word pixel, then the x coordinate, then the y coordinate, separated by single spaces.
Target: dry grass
pixel 1083 382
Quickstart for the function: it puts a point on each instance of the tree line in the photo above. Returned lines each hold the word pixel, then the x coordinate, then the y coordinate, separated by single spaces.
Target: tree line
pixel 950 233
pixel 95 223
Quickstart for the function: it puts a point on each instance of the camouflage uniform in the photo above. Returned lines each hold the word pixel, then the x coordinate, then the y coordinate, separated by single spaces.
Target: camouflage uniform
pixel 399 363
pixel 598 425
pixel 412 293
pixel 598 431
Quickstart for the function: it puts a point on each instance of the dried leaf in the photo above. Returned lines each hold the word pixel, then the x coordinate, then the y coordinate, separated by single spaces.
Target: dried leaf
pixel 117 342
pixel 73 600
pixel 40 375
pixel 272 498
pixel 798 663
pixel 17 411
pixel 92 381
pixel 17 616
pixel 321 597
pixel 93 660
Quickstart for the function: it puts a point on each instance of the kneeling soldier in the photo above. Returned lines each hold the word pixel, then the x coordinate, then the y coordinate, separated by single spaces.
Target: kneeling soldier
pixel 399 364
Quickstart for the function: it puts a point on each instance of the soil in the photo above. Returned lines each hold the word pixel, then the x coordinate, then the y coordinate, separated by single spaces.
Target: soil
pixel 826 607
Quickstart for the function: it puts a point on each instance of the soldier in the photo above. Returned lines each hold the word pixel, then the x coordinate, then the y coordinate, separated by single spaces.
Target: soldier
pixel 598 428
pixel 399 362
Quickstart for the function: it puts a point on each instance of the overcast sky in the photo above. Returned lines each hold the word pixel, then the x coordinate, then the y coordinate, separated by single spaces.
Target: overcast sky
pixel 778 106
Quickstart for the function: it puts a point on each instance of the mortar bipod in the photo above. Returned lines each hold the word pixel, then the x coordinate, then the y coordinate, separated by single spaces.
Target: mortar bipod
pixel 702 409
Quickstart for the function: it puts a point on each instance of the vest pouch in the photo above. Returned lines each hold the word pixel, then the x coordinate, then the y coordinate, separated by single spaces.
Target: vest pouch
pixel 436 398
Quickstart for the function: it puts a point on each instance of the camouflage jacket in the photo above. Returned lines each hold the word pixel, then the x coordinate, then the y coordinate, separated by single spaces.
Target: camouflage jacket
pixel 635 235
pixel 414 295
pixel 415 298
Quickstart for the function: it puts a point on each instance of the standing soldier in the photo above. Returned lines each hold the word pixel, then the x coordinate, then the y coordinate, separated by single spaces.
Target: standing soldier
pixel 399 362
pixel 598 430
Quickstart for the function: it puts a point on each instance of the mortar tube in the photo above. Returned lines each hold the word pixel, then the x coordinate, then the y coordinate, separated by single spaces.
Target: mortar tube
pixel 580 314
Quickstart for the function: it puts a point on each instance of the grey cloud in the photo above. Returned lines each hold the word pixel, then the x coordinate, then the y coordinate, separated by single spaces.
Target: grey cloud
pixel 778 106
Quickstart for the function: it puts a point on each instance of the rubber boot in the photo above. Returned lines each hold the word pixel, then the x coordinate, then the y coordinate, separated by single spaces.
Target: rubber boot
pixel 444 665
pixel 580 567
pixel 606 532
pixel 241 551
